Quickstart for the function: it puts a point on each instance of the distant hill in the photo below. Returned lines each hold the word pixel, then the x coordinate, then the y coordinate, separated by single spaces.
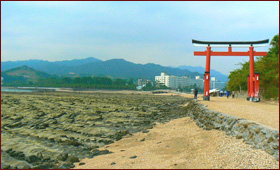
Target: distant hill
pixel 125 69
pixel 24 73
pixel 77 62
pixel 115 68
pixel 55 67
pixel 199 69
pixel 11 79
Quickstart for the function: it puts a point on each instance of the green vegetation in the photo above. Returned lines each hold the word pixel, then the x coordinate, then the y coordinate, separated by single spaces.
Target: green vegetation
pixel 78 82
pixel 23 74
pixel 149 87
pixel 267 66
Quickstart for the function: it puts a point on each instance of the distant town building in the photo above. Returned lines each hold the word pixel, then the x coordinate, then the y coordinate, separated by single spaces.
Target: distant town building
pixel 216 84
pixel 164 79
pixel 143 82
pixel 197 77
pixel 175 82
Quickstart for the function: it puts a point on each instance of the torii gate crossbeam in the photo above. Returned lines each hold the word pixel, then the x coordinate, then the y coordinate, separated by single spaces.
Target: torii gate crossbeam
pixel 253 79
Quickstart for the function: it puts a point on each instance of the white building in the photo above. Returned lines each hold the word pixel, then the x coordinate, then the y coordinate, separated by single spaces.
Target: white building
pixel 199 82
pixel 167 80
pixel 216 84
pixel 175 82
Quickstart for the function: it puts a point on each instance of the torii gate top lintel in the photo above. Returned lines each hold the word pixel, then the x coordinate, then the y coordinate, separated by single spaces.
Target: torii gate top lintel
pixel 230 42
pixel 253 81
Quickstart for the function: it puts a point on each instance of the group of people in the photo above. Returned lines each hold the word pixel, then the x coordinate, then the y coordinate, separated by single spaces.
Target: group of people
pixel 195 92
pixel 228 93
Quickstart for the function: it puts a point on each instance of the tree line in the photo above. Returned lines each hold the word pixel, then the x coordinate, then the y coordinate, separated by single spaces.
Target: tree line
pixel 267 66
pixel 80 82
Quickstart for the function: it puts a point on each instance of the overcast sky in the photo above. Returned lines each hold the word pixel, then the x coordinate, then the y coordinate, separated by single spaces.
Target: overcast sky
pixel 140 32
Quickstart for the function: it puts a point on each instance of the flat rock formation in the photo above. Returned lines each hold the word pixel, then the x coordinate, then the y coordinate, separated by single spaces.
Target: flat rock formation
pixel 55 130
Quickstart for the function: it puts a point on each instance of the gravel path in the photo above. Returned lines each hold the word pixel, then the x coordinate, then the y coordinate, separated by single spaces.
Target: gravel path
pixel 181 144
pixel 262 112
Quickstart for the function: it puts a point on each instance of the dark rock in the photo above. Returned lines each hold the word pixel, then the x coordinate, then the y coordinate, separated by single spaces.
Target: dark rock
pixel 133 157
pixel 23 166
pixel 13 167
pixel 32 159
pixel 71 166
pixel 40 155
pixel 46 159
pixel 142 140
pixel 4 166
pixel 72 142
pixel 73 159
pixel 145 131
pixel 113 163
pixel 98 152
pixel 62 156
pixel 43 166
pixel 124 132
pixel 82 163
pixel 63 166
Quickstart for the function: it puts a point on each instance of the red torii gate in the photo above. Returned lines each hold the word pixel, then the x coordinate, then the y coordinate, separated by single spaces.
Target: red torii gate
pixel 253 78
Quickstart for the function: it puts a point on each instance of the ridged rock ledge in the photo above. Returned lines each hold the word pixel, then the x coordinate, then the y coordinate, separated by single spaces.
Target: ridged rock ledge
pixel 253 133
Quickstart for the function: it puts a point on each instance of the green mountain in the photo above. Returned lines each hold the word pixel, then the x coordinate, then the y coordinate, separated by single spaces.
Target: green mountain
pixel 124 69
pixel 115 68
pixel 23 74
pixel 199 69
pixel 47 66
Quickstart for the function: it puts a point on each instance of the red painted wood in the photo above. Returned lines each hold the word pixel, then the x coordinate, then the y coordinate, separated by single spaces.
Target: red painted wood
pixel 248 87
pixel 252 72
pixel 257 85
pixel 224 53
pixel 206 84
pixel 207 73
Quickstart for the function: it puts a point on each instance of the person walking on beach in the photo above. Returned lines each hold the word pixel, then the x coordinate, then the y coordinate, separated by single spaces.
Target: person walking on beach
pixel 195 93
pixel 228 93
pixel 232 94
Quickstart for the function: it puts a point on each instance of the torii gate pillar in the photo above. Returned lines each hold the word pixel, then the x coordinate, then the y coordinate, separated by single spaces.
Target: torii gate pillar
pixel 207 75
pixel 252 73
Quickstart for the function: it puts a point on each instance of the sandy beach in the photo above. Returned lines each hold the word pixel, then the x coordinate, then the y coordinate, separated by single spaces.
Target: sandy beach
pixel 181 144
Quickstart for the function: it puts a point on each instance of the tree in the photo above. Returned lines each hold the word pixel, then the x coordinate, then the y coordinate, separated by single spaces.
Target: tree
pixel 119 81
pixel 130 82
pixel 267 66
pixel 239 77
pixel 66 80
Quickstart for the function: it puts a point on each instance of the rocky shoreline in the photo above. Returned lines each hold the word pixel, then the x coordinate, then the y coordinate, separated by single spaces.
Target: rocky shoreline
pixel 252 133
pixel 50 130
